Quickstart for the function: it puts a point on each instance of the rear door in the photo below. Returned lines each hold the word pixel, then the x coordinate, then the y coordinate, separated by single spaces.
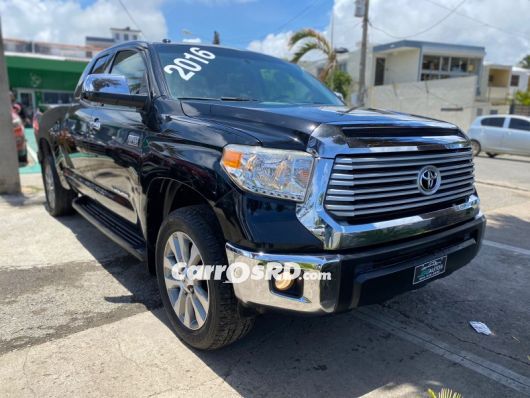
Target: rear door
pixel 517 137
pixel 121 131
pixel 492 133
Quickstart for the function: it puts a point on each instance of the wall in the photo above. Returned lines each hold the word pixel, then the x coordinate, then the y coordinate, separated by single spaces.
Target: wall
pixel 402 66
pixel 428 98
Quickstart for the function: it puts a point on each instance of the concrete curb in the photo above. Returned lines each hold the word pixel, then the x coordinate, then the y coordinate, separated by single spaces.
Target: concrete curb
pixel 507 186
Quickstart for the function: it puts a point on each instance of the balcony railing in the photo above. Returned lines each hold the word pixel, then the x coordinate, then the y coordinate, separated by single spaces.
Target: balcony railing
pixel 53 49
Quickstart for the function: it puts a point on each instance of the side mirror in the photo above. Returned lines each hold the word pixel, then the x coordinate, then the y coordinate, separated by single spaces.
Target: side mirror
pixel 112 90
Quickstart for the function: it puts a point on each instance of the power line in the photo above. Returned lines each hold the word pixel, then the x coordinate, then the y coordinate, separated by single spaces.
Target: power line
pixel 483 23
pixel 283 25
pixel 131 17
pixel 451 12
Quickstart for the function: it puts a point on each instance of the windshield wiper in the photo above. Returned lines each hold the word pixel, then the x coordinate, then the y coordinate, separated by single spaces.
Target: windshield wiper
pixel 237 99
pixel 216 99
pixel 198 98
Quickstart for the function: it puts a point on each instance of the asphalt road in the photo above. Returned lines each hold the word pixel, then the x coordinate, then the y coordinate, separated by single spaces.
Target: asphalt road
pixel 79 317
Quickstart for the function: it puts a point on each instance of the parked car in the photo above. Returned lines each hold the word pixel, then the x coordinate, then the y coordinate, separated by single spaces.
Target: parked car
pixel 192 155
pixel 500 134
pixel 20 138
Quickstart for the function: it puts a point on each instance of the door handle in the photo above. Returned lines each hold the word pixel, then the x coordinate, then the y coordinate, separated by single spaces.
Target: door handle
pixel 95 124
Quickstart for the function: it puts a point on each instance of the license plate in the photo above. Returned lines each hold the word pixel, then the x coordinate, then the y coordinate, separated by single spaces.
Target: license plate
pixel 429 270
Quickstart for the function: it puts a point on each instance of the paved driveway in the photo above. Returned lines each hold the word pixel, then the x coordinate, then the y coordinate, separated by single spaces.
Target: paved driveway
pixel 80 317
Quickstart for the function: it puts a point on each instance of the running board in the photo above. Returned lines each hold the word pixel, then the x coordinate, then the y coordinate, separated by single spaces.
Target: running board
pixel 113 226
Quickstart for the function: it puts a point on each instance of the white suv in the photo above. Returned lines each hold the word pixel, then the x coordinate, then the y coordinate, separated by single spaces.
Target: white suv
pixel 496 134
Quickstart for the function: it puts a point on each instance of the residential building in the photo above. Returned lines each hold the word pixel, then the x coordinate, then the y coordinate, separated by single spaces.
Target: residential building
pixel 520 80
pixel 44 73
pixel 440 80
pixel 47 73
pixel 117 35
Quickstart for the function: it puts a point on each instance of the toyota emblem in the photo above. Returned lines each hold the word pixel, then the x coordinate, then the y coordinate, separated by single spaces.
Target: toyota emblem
pixel 429 180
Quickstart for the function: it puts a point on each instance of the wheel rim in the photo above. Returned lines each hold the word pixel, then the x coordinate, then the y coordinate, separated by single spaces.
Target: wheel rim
pixel 189 298
pixel 50 185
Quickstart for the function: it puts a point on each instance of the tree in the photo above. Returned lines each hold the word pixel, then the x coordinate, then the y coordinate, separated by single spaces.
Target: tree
pixel 522 97
pixel 216 38
pixel 313 40
pixel 340 82
pixel 525 62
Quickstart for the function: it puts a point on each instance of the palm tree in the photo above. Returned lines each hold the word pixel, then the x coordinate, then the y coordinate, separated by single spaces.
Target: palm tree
pixel 315 41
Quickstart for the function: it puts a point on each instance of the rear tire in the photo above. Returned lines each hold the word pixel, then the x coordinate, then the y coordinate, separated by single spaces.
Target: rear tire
pixel 219 322
pixel 58 199
pixel 491 155
pixel 475 147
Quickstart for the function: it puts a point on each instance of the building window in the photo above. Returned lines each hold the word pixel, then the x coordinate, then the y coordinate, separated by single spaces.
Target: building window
pixel 135 37
pixel 125 36
pixel 479 111
pixel 436 67
pixel 342 66
pixel 514 82
pixel 431 62
pixel 117 36
pixel 55 97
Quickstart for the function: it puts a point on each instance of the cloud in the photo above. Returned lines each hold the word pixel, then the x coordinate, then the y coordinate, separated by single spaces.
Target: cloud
pixel 67 21
pixel 219 2
pixel 405 18
pixel 273 44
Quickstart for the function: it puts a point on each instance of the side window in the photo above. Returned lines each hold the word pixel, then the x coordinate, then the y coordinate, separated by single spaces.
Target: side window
pixel 492 121
pixel 131 65
pixel 99 65
pixel 519 124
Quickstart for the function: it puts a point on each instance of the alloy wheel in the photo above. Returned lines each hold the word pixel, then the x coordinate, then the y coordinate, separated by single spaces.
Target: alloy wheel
pixel 50 185
pixel 189 297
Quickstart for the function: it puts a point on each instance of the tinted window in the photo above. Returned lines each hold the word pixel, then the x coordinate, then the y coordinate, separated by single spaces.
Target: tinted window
pixel 216 73
pixel 519 124
pixel 493 121
pixel 99 65
pixel 131 65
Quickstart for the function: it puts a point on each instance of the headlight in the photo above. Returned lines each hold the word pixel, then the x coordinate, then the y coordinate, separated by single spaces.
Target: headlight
pixel 272 172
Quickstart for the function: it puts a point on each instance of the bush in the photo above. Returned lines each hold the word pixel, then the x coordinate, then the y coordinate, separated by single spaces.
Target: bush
pixel 340 82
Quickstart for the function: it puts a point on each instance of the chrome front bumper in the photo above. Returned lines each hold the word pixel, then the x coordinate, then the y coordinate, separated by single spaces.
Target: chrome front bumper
pixel 354 280
pixel 314 298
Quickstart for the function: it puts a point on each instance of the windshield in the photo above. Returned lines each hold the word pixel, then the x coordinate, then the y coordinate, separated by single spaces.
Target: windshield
pixel 231 75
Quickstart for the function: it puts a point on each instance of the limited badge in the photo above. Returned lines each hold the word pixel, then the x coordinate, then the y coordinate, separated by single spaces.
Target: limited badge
pixel 133 139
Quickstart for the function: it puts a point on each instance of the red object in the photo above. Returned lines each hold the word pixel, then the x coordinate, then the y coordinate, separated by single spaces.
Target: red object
pixel 18 131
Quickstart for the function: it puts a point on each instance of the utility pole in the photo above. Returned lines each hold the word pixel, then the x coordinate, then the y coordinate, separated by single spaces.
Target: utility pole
pixel 361 95
pixel 9 178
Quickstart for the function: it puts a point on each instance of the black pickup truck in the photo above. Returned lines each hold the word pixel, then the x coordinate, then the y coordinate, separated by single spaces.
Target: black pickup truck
pixel 189 155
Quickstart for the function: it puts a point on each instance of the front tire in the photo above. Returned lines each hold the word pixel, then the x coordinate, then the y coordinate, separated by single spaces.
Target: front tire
pixel 475 147
pixel 58 199
pixel 204 314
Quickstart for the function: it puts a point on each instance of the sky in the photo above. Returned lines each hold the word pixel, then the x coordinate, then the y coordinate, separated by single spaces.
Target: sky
pixel 501 26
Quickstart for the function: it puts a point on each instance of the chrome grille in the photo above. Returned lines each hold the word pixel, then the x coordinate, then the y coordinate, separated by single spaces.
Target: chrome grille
pixel 379 185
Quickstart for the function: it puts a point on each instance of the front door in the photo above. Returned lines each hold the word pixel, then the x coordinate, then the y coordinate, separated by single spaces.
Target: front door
pixel 121 132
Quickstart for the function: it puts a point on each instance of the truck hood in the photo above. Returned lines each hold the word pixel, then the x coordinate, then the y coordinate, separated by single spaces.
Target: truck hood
pixel 290 126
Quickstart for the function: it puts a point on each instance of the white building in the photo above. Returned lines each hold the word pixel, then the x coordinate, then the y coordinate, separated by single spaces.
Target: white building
pixel 520 80
pixel 444 81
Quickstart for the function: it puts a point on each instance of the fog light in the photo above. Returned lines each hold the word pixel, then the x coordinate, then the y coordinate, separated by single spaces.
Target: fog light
pixel 284 282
